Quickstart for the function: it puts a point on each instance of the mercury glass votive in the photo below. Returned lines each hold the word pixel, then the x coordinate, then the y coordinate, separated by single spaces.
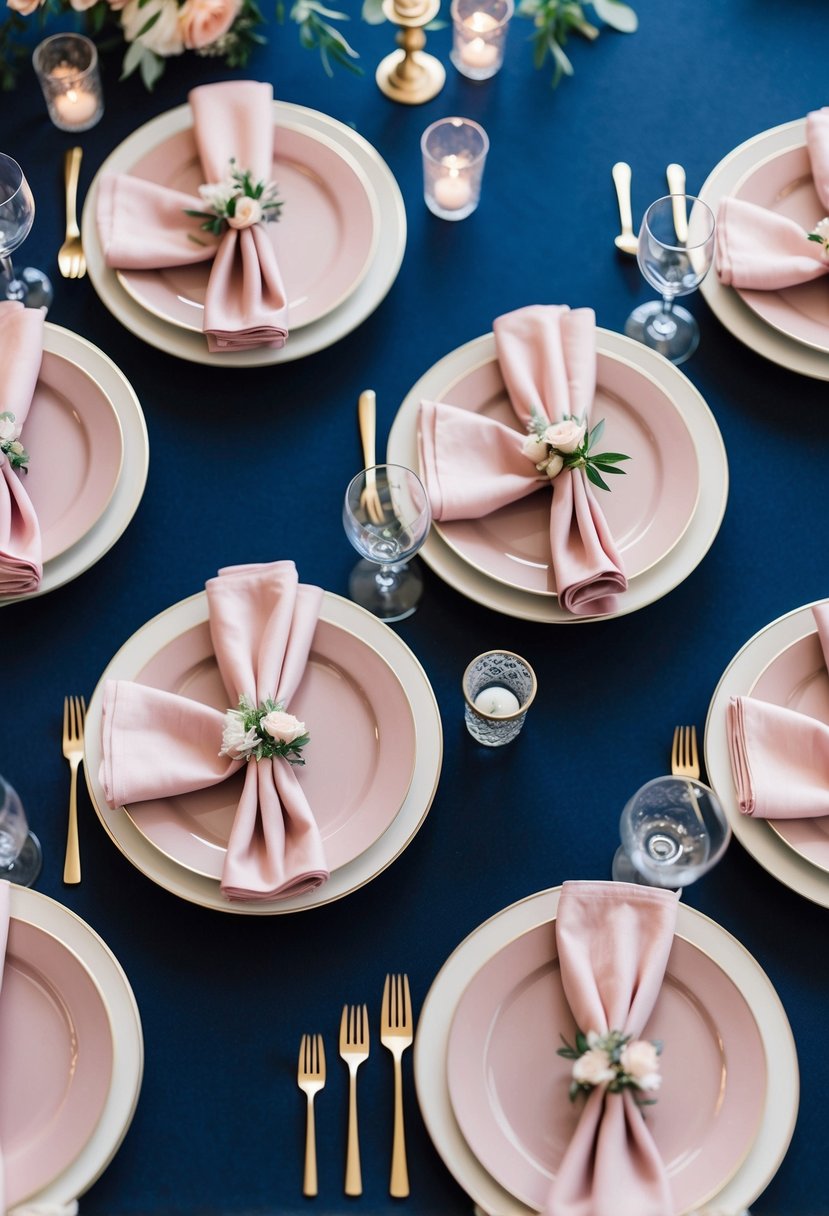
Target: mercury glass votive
pixel 479 33
pixel 454 155
pixel 67 68
pixel 498 688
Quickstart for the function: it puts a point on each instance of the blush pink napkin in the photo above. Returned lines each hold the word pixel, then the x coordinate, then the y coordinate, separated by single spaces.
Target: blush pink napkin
pixel 21 352
pixel 779 757
pixel 157 744
pixel 474 465
pixel 761 250
pixel 613 944
pixel 143 226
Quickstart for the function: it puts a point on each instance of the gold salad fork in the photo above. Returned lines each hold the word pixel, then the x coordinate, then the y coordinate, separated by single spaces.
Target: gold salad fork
pixel 74 716
pixel 310 1079
pixel 684 754
pixel 397 1033
pixel 354 1044
pixel 71 257
pixel 367 418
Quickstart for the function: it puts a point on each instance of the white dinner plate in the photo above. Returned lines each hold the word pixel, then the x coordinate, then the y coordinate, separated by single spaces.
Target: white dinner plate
pixel 436 1016
pixel 649 586
pixel 755 835
pixel 128 1056
pixel 126 495
pixel 203 890
pixel 724 302
pixel 378 279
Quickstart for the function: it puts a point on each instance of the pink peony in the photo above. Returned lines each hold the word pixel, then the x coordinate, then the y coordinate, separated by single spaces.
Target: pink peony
pixel 203 22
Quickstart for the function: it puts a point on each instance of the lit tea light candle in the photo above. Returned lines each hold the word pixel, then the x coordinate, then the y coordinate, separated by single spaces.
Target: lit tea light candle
pixel 497 701
pixel 475 51
pixel 452 191
pixel 76 106
pixel 67 68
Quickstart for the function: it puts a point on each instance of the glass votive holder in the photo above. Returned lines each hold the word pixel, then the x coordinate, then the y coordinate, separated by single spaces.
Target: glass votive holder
pixel 67 68
pixel 479 33
pixel 454 154
pixel 498 688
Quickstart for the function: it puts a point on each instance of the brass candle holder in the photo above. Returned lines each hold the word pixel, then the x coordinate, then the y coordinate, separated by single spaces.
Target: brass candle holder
pixel 409 75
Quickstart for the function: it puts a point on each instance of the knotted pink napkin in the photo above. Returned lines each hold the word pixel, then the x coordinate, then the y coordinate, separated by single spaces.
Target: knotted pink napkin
pixel 157 744
pixel 473 465
pixel 613 944
pixel 144 226
pixel 764 251
pixel 21 351
pixel 779 757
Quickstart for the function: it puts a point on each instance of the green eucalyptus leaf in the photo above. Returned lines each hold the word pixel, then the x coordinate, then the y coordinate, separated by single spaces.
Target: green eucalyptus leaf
pixel 372 12
pixel 617 15
pixel 596 477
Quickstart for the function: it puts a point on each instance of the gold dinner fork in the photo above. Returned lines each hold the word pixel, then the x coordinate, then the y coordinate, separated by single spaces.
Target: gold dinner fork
pixel 367 418
pixel 311 1079
pixel 684 754
pixel 71 258
pixel 397 1033
pixel 74 716
pixel 354 1044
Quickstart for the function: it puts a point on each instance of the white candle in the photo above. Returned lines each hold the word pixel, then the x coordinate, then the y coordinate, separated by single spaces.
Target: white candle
pixel 498 701
pixel 478 54
pixel 452 191
pixel 75 106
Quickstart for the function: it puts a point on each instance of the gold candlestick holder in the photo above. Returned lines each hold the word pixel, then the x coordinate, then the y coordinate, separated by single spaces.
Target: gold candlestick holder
pixel 409 75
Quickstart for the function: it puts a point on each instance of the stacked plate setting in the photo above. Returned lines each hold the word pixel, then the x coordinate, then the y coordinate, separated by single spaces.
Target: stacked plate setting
pixel 340 239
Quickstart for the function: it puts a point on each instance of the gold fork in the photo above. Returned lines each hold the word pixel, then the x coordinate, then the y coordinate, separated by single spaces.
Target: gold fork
pixel 684 754
pixel 310 1078
pixel 71 258
pixel 367 418
pixel 397 1033
pixel 354 1044
pixel 74 716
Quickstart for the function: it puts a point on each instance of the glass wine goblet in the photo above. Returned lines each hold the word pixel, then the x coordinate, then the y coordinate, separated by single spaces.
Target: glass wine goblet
pixel 20 854
pixel 673 830
pixel 386 516
pixel 675 252
pixel 17 212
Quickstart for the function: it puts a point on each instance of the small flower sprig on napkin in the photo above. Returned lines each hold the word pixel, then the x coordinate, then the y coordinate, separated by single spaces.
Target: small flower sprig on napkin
pixel 10 444
pixel 237 202
pixel 260 732
pixel 569 445
pixel 615 1061
pixel 821 235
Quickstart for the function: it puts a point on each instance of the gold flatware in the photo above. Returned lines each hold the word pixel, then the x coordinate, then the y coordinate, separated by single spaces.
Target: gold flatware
pixel 397 1033
pixel 71 258
pixel 367 417
pixel 684 754
pixel 74 716
pixel 354 1045
pixel 676 186
pixel 627 240
pixel 310 1079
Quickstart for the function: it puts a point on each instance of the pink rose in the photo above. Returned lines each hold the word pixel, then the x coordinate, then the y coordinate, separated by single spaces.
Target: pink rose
pixel 246 212
pixel 640 1060
pixel 282 727
pixel 566 435
pixel 203 22
pixel 24 7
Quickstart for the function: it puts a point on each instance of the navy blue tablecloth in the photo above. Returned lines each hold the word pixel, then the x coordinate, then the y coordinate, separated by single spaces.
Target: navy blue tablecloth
pixel 251 465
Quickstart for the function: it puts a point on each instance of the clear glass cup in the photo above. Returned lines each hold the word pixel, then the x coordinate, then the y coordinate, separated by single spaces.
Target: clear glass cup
pixel 673 830
pixel 386 516
pixel 675 252
pixel 67 67
pixel 17 213
pixel 479 34
pixel 454 155
pixel 20 853
pixel 498 689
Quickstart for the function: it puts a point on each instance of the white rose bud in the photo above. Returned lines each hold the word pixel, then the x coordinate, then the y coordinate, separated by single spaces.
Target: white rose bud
pixel 640 1060
pixel 554 465
pixel 247 212
pixel 534 448
pixel 16 448
pixel 593 1068
pixel 8 429
pixel 283 727
pixel 566 435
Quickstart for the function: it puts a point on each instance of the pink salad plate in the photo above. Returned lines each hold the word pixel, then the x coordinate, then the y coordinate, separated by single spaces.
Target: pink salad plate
pixel 325 238
pixel 359 763
pixel 509 1087
pixel 75 445
pixel 648 509
pixel 56 1059
pixel 797 679
pixel 783 183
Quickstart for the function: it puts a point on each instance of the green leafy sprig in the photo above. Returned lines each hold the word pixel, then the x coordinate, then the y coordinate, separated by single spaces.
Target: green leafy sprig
pixel 556 20
pixel 13 449
pixel 613 1043
pixel 258 744
pixel 316 33
pixel 593 463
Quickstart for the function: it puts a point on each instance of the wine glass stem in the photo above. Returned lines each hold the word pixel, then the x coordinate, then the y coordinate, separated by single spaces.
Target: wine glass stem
pixel 387 578
pixel 15 289
pixel 663 323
